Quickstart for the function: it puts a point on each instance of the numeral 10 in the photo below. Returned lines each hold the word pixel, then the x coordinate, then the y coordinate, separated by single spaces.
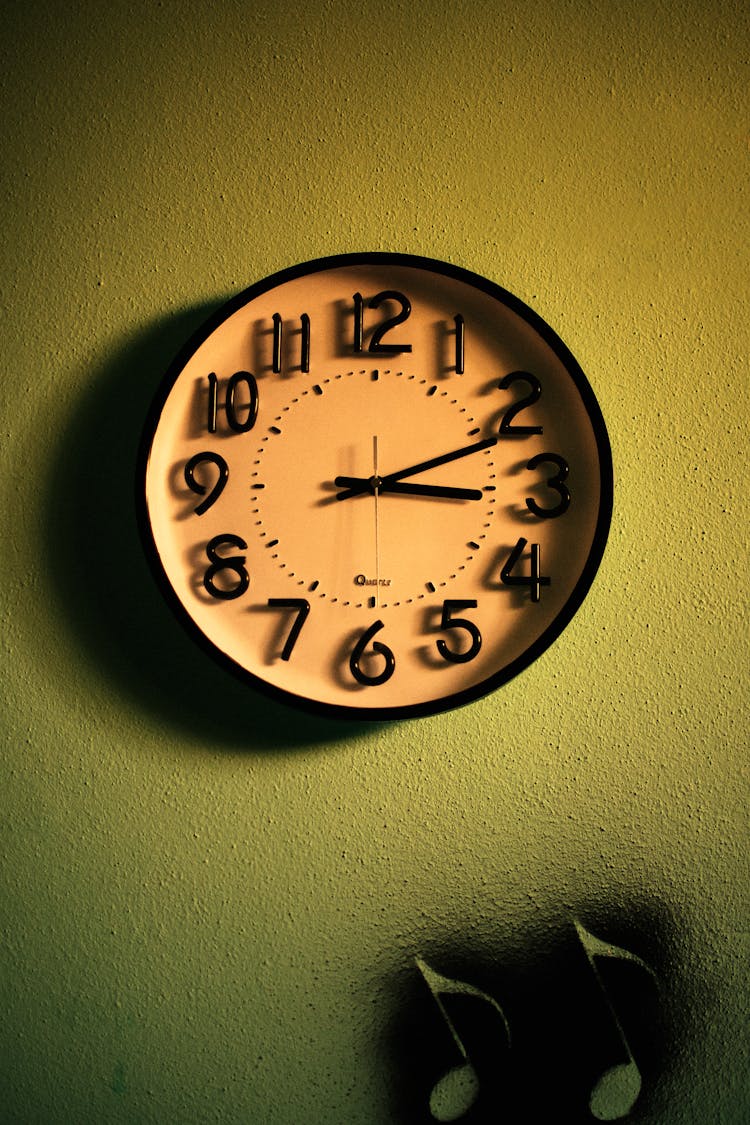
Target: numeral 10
pixel 240 402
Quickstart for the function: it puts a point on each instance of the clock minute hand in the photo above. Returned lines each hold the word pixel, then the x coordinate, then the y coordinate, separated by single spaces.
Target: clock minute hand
pixel 412 470
pixel 443 459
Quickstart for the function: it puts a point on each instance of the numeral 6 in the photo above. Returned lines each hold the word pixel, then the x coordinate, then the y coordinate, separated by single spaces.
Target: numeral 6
pixel 360 675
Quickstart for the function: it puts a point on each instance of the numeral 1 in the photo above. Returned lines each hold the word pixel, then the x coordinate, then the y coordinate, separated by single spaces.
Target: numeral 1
pixel 460 330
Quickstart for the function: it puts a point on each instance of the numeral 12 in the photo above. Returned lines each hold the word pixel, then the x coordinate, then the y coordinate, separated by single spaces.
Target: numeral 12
pixel 376 344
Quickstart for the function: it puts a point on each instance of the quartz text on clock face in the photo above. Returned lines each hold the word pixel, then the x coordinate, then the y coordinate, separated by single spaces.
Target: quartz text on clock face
pixel 377 485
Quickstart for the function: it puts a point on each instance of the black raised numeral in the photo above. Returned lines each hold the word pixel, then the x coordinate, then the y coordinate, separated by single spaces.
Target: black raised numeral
pixel 458 320
pixel 213 402
pixel 556 481
pixel 241 409
pixel 360 675
pixel 198 487
pixel 376 341
pixel 359 322
pixel 304 351
pixel 278 328
pixel 448 621
pixel 302 606
pixel 234 564
pixel 305 343
pixel 534 580
pixel 506 426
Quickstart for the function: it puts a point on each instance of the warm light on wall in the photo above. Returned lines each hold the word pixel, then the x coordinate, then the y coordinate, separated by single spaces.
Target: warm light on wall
pixel 217 908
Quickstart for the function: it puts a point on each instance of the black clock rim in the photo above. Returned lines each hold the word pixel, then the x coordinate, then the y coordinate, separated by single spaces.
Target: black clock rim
pixel 543 641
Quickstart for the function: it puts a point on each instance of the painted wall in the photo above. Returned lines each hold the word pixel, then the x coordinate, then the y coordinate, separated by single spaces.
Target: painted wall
pixel 211 906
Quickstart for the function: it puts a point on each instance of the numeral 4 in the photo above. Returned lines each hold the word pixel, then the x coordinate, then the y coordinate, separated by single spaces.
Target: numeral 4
pixel 534 580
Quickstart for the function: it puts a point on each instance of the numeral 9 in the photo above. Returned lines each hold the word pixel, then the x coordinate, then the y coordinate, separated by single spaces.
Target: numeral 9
pixel 201 489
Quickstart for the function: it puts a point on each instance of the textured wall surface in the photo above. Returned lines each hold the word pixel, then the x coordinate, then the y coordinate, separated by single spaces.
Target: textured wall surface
pixel 212 907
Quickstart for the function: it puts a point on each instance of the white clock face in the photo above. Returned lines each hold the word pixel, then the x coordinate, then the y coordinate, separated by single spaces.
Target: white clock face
pixel 376 485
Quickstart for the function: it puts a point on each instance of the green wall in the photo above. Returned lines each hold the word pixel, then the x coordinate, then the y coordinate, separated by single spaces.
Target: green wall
pixel 212 906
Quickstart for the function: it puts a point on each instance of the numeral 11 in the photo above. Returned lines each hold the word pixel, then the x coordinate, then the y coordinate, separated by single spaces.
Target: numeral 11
pixel 278 332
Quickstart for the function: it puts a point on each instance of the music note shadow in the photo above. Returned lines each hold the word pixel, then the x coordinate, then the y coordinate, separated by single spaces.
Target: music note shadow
pixel 465 1050
pixel 455 1093
pixel 532 1035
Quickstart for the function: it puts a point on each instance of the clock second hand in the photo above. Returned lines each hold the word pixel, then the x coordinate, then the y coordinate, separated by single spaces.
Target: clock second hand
pixel 384 483
pixel 376 490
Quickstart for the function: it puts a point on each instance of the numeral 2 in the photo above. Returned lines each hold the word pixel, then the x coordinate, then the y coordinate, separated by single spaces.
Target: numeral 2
pixel 521 403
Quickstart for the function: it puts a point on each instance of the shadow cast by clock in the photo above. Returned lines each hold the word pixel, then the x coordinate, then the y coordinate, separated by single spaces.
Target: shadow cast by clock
pixel 103 582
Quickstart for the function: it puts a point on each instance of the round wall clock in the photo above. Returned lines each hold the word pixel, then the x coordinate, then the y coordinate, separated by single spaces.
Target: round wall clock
pixel 375 485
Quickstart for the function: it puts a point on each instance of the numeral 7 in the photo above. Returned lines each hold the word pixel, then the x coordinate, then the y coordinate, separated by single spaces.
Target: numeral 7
pixel 302 607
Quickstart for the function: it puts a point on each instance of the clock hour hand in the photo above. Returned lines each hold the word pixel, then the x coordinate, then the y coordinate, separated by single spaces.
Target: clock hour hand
pixel 371 483
pixel 365 485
